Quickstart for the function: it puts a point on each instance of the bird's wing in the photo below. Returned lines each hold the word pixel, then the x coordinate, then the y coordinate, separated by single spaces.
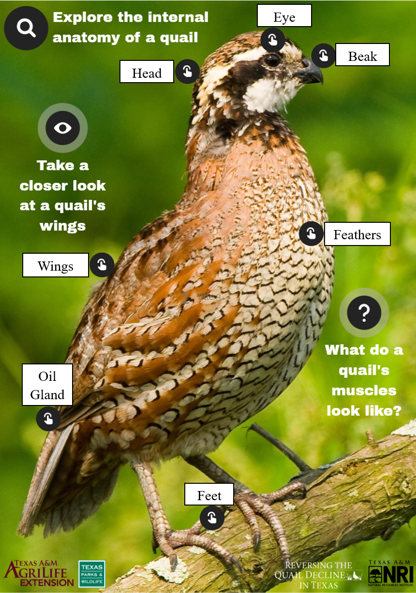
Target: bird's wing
pixel 137 331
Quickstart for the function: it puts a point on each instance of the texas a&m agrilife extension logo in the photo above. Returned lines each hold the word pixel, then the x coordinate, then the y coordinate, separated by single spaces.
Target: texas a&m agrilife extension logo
pixel 38 573
pixel 386 572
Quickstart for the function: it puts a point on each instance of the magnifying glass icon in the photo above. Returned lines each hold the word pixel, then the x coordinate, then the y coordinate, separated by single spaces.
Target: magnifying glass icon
pixel 28 31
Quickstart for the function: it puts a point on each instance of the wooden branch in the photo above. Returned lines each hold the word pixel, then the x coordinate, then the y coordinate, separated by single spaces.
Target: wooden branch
pixel 367 494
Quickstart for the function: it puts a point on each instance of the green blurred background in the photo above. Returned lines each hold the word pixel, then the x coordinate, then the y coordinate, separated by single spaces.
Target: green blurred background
pixel 359 130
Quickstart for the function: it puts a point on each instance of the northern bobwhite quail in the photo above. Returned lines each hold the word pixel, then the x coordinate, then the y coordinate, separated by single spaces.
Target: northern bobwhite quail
pixel 160 374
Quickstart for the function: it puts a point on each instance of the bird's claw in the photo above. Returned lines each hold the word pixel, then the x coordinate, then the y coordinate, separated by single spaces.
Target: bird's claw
pixel 251 504
pixel 168 541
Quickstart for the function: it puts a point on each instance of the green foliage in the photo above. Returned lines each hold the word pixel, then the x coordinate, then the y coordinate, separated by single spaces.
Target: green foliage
pixel 360 133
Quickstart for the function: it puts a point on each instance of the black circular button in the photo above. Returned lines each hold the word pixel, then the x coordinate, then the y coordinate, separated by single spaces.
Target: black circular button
pixel 62 127
pixel 48 418
pixel 212 518
pixel 26 28
pixel 102 264
pixel 364 312
pixel 187 71
pixel 273 39
pixel 311 233
pixel 323 55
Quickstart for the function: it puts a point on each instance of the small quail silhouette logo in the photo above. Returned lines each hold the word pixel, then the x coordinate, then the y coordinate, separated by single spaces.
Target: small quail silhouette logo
pixel 355 576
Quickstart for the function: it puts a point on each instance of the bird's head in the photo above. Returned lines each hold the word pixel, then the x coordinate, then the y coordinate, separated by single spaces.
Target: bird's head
pixel 241 78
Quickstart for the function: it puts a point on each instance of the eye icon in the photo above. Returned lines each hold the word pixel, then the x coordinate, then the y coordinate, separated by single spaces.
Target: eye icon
pixel 62 128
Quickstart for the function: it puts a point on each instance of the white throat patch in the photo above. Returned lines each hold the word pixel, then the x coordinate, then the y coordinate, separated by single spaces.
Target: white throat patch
pixel 270 95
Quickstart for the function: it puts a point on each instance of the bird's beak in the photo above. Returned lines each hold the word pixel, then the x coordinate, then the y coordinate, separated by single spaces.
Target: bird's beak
pixel 310 73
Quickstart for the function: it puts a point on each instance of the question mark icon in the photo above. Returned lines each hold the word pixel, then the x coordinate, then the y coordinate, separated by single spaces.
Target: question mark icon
pixel 363 313
pixel 366 312
pixel 397 409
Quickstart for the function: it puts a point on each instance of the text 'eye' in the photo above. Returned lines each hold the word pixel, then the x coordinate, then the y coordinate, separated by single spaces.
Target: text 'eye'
pixel 62 127
pixel 272 60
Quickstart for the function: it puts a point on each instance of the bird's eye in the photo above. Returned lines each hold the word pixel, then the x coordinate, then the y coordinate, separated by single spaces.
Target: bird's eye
pixel 272 60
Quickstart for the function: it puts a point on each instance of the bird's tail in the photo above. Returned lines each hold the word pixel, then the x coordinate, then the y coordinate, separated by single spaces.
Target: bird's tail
pixel 73 502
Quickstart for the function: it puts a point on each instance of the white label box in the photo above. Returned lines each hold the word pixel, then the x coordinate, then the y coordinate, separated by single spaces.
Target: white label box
pixel 208 494
pixel 146 71
pixel 284 15
pixel 358 233
pixel 46 384
pixel 362 54
pixel 55 265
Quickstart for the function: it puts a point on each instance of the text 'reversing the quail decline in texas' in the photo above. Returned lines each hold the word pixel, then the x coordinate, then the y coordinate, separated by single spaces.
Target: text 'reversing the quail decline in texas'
pixel 204 209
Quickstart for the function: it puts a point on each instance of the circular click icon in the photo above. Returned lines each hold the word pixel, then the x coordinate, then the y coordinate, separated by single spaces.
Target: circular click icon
pixel 102 264
pixel 272 39
pixel 323 55
pixel 48 418
pixel 26 28
pixel 212 518
pixel 311 233
pixel 62 127
pixel 187 71
pixel 364 312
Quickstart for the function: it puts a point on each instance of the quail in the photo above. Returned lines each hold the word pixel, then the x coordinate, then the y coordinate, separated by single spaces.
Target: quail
pixel 161 370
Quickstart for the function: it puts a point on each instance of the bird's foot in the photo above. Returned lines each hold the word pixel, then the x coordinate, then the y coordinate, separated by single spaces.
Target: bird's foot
pixel 196 528
pixel 169 540
pixel 251 504
pixel 166 538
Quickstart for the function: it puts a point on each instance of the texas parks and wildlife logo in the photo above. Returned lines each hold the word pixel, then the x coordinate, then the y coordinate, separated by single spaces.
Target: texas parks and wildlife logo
pixel 390 572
